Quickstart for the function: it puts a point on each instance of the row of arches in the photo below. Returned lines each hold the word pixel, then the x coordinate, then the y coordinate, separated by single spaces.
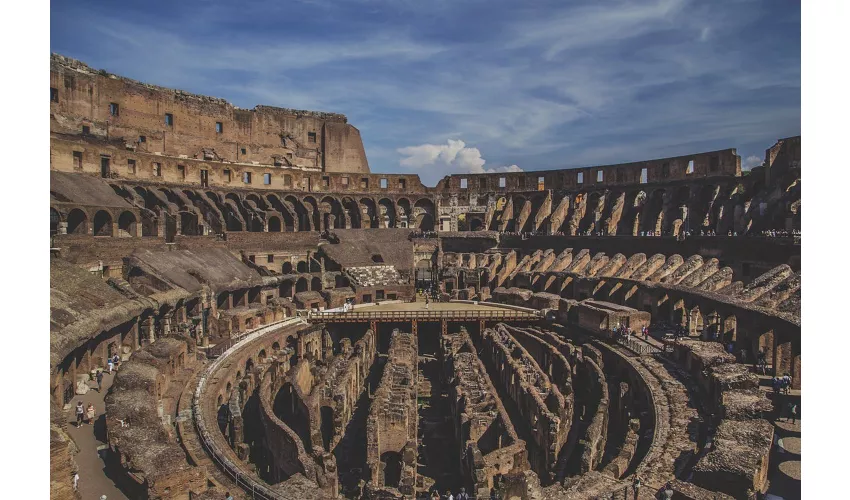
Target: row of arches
pixel 102 223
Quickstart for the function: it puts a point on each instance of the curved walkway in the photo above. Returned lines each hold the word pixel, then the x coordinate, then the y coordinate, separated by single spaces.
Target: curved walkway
pixel 97 477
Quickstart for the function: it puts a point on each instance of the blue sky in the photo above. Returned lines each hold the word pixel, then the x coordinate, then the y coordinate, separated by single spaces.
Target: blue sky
pixel 451 86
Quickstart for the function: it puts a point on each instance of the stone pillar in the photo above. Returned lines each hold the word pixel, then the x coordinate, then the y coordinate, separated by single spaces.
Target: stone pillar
pixel 148 329
pixel 166 325
pixel 63 228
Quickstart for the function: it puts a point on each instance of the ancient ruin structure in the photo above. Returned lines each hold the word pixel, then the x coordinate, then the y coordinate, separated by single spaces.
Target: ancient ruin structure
pixel 258 285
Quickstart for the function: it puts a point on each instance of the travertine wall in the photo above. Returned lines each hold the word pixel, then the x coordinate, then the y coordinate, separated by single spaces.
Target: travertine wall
pixel 200 125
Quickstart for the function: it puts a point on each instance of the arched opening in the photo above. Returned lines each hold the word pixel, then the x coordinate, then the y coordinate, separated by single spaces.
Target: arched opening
pixel 276 347
pixel 77 222
pixel 249 366
pixel 102 223
pixel 286 268
pixel 387 212
pixel 404 213
pixel 303 222
pixel 286 289
pixel 369 213
pixel 334 216
pixel 301 285
pixel 301 267
pixel 327 426
pixel 312 208
pixel 126 224
pixel 392 468
pixel 653 215
pixel 261 357
pixel 189 224
pixel 274 224
pixel 424 214
pixel 353 210
pixel 475 224
pixel 256 223
pixel 315 284
pixel 592 213
pixel 340 281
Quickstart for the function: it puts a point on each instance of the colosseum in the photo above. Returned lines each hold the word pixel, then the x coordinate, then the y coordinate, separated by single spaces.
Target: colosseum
pixel 251 313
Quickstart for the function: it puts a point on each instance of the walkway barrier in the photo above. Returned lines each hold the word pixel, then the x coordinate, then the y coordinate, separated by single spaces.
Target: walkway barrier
pixel 424 314
pixel 257 489
pixel 638 346
pixel 217 350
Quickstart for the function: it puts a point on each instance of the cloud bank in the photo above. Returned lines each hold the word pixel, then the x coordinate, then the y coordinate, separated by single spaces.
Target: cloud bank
pixel 454 157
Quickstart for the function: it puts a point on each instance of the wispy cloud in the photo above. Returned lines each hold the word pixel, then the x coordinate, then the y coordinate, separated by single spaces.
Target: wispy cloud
pixel 554 85
pixel 452 157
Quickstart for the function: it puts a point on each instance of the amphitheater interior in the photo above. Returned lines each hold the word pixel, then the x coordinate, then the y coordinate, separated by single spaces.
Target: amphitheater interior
pixel 264 293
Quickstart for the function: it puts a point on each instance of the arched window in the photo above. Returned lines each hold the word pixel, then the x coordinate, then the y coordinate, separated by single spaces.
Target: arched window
pixel 102 223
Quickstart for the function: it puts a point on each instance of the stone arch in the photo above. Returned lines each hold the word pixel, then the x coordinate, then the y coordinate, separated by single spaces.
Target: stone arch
pixel 341 281
pixel 312 208
pixel 387 212
pixel 424 214
pixel 261 356
pixel 302 267
pixel 353 210
pixel 591 213
pixel 77 222
pixel 301 285
pixel 286 268
pixel 102 223
pixel 334 209
pixel 632 207
pixel 404 213
pixel 303 222
pixel 189 223
pixel 653 212
pixel 369 213
pixel 285 290
pixel 274 224
pixel 315 284
pixel 126 224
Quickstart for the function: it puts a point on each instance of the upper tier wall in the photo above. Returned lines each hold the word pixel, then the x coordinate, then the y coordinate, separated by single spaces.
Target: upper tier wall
pixel 725 162
pixel 82 96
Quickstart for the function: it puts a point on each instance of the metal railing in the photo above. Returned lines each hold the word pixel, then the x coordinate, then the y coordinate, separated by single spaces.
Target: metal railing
pixel 637 346
pixel 423 314
pixel 221 347
pixel 257 489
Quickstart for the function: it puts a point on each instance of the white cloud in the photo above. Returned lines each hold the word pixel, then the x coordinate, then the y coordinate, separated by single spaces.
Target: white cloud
pixel 751 161
pixel 454 157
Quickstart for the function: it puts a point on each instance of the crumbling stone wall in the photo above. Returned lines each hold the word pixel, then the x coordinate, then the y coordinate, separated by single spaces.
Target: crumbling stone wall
pixel 392 424
pixel 490 446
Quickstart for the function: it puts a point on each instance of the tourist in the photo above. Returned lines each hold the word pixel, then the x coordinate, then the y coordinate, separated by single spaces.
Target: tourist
pixel 109 365
pixel 426 302
pixel 743 356
pixel 90 413
pixel 228 496
pixel 80 411
pixel 794 413
pixel 786 383
pixel 115 360
pixel 636 486
pixel 462 495
pixel 449 495
pixel 493 494
pixel 99 378
pixel 76 480
pixel 775 382
pixel 435 495
pixel 667 494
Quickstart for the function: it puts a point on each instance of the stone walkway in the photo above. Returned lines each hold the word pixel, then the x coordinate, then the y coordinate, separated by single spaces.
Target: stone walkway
pixel 95 475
